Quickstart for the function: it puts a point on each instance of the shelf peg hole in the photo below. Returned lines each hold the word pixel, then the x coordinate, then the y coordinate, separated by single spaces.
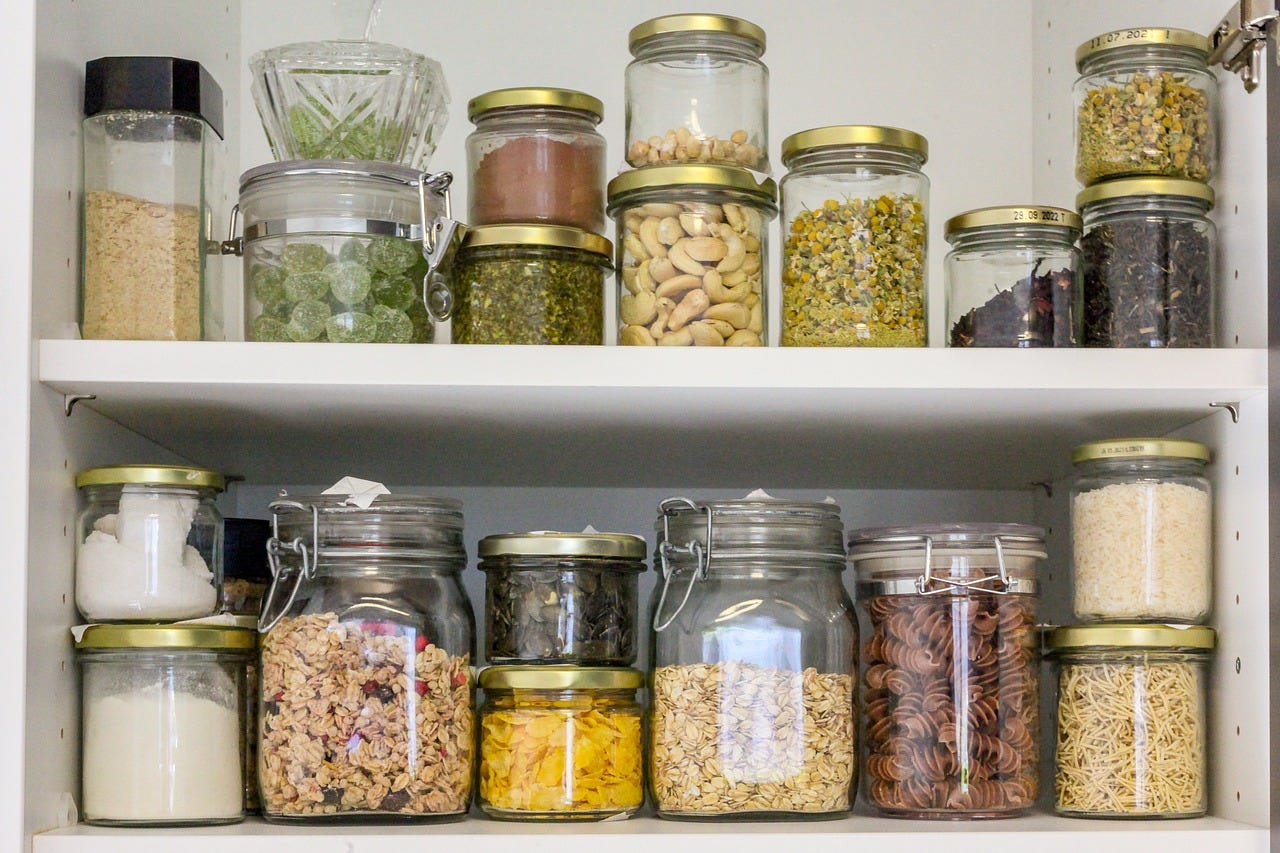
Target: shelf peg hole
pixel 1237 666
pixel 1237 535
pixel 1237 796
pixel 1237 731
pixel 1237 209
pixel 1237 599
pixel 1237 275
pixel 62 734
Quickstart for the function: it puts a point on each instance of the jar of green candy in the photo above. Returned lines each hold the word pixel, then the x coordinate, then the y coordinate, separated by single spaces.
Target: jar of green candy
pixel 344 251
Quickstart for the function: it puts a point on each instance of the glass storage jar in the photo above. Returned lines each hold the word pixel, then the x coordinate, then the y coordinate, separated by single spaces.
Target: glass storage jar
pixel 1132 733
pixel 697 92
pixel 163 724
pixel 1146 104
pixel 366 681
pixel 754 662
pixel 1148 253
pixel 344 251
pixel 560 743
pixel 530 284
pixel 152 189
pixel 252 804
pixel 855 209
pixel 535 156
pixel 149 543
pixel 692 255
pixel 1141 531
pixel 555 597
pixel 1013 277
pixel 951 703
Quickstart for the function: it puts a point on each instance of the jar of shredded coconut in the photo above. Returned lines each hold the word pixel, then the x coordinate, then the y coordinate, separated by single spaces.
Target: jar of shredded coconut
pixel 1142 531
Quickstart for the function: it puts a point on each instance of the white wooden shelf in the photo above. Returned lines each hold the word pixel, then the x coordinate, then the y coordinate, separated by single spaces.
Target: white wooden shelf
pixel 1042 833
pixel 615 416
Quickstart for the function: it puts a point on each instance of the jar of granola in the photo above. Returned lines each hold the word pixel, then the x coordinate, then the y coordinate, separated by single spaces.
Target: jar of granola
pixel 755 662
pixel 560 743
pixel 366 696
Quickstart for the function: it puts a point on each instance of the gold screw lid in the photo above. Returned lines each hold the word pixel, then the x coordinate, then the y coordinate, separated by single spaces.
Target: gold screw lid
pixel 553 543
pixel 686 176
pixel 568 99
pixel 530 234
pixel 842 135
pixel 1125 187
pixel 726 24
pixel 151 475
pixel 561 678
pixel 211 637
pixel 1141 36
pixel 1134 448
pixel 1016 215
pixel 1129 636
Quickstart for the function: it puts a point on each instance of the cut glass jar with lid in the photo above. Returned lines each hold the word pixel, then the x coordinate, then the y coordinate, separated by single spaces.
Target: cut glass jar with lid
pixel 163 715
pixel 152 191
pixel 692 255
pixel 951 701
pixel 697 92
pixel 561 743
pixel 1142 531
pixel 754 662
pixel 553 597
pixel 1146 104
pixel 149 543
pixel 530 284
pixel 1013 277
pixel 1149 254
pixel 344 251
pixel 366 682
pixel 855 207
pixel 1132 736
pixel 536 156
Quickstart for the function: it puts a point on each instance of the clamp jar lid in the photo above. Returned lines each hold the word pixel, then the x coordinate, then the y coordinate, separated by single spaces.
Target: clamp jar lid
pixel 167 637
pixel 752 528
pixel 1140 37
pixel 693 24
pixel 561 678
pixel 1131 187
pixel 151 475
pixel 551 543
pixel 685 177
pixel 1016 216
pixel 1139 448
pixel 535 97
pixel 1191 638
pixel 853 135
pixel 539 236
pixel 403 527
pixel 925 558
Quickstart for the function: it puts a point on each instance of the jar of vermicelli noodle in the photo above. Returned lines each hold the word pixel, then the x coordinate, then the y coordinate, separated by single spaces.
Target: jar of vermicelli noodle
pixel 951 702
pixel 1131 729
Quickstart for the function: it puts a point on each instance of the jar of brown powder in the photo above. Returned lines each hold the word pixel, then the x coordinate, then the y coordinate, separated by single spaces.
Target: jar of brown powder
pixel 536 157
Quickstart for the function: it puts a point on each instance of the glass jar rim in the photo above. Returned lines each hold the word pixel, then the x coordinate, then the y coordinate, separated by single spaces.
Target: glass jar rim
pixel 151 475
pixel 730 532
pixel 1015 216
pixel 1141 448
pixel 1140 37
pixel 394 175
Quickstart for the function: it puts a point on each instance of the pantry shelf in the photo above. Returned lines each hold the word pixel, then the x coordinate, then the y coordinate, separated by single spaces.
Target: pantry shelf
pixel 614 416
pixel 1045 833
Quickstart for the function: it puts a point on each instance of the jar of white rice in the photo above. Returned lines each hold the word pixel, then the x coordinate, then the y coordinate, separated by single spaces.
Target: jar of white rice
pixel 1142 531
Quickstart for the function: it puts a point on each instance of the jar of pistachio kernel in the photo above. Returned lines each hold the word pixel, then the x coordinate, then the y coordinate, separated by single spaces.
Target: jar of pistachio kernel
pixel 855 226
pixel 1145 104
pixel 691 255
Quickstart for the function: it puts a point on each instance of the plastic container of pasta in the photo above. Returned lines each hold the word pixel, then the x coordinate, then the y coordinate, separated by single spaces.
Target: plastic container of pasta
pixel 1132 730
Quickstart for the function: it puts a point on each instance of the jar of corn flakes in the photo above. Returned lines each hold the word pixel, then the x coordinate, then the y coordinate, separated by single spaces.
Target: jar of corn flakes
pixel 366 709
pixel 560 743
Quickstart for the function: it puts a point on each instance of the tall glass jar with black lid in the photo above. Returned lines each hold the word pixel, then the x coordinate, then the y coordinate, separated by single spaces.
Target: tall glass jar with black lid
pixel 1148 252
pixel 951 703
pixel 366 689
pixel 754 662
pixel 1013 277
pixel 697 92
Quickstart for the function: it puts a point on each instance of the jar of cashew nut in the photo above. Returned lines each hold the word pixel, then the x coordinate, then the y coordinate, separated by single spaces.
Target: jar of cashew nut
pixel 692 255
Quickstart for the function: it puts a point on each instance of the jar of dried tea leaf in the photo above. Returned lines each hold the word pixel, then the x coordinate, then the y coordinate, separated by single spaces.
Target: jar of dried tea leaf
pixel 1148 252
pixel 561 743
pixel 366 690
pixel 562 597
pixel 692 244
pixel 855 226
pixel 755 662
pixel 530 284
pixel 1145 105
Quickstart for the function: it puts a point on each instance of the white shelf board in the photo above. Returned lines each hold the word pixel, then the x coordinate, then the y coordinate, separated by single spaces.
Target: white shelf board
pixel 1042 833
pixel 618 416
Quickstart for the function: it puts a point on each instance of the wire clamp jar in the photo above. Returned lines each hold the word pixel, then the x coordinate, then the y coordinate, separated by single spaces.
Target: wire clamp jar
pixel 667 550
pixel 277 548
pixel 927 580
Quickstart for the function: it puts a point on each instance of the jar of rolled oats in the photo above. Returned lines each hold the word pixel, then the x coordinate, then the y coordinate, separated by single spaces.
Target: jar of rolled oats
pixel 366 690
pixel 755 656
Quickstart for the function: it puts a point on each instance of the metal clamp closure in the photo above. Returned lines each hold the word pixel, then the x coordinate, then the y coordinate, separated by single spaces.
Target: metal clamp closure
pixel 233 245
pixel 441 237
pixel 277 548
pixel 667 549
pixel 925 584
pixel 1239 40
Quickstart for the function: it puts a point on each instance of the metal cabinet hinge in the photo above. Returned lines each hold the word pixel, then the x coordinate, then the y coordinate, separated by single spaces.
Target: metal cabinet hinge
pixel 1241 37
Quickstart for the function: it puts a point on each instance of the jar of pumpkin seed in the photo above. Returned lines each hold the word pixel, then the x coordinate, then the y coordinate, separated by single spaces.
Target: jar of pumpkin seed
pixel 1145 105
pixel 855 225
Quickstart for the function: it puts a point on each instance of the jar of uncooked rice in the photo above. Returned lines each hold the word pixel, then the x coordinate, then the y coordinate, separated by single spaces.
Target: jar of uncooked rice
pixel 1142 531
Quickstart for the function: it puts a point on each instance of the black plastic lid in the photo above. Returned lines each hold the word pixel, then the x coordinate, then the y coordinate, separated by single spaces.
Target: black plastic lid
pixel 162 83
pixel 244 549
